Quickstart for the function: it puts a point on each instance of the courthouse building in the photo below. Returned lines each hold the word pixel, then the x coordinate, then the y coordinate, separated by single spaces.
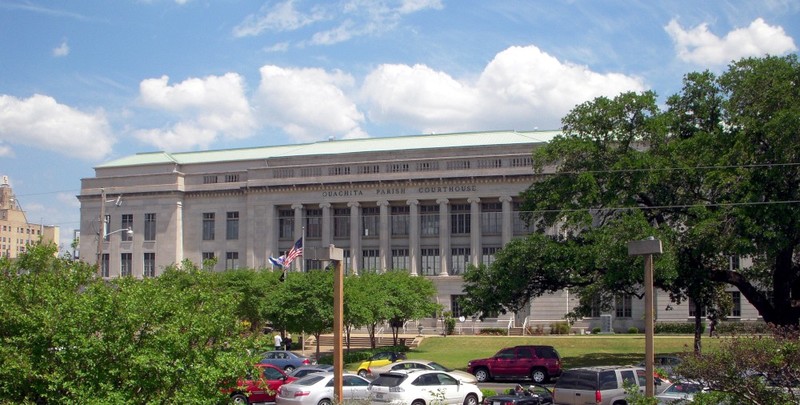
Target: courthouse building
pixel 428 204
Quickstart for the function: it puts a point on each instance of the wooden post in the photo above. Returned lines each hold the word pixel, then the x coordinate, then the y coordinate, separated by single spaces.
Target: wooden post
pixel 338 314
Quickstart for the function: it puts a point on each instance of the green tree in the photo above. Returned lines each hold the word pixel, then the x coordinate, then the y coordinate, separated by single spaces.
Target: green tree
pixel 308 302
pixel 714 175
pixel 68 337
pixel 408 297
pixel 365 303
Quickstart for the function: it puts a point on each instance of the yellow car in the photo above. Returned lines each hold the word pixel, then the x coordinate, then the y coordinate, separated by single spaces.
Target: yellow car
pixel 377 360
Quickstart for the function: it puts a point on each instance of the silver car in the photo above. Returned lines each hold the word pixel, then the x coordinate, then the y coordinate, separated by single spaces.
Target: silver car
pixel 317 389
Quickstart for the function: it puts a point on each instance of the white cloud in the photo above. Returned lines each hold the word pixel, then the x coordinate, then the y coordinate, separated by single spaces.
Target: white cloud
pixel 205 107
pixel 61 50
pixel 6 151
pixel 412 6
pixel 521 88
pixel 308 104
pixel 41 122
pixel 698 45
pixel 282 17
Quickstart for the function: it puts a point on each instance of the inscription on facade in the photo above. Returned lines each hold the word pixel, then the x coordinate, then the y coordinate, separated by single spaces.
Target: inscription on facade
pixel 402 190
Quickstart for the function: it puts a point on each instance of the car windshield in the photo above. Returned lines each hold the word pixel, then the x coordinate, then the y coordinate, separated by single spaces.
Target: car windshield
pixel 309 379
pixel 389 380
pixel 436 366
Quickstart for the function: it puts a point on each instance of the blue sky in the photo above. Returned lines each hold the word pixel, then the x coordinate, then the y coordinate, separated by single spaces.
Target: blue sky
pixel 85 82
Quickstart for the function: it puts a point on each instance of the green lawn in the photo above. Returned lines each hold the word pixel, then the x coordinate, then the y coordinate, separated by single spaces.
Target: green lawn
pixel 576 351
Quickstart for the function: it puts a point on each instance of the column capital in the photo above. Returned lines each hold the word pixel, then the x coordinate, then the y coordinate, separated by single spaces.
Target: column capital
pixel 353 204
pixel 474 200
pixel 441 201
pixel 325 205
pixel 412 202
pixel 505 198
pixel 382 203
pixel 297 206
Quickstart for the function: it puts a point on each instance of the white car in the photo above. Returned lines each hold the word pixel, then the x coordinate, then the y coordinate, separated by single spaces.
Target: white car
pixel 423 365
pixel 420 387
pixel 317 389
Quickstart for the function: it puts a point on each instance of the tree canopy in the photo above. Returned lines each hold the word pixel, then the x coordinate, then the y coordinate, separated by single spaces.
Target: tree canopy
pixel 714 175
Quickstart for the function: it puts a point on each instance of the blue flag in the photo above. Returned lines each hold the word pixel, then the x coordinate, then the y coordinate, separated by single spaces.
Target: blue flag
pixel 277 262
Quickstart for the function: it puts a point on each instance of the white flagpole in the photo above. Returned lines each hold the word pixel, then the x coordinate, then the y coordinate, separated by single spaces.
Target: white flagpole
pixel 303 244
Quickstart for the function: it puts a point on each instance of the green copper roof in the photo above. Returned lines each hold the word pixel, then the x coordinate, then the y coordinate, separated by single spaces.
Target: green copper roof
pixel 339 146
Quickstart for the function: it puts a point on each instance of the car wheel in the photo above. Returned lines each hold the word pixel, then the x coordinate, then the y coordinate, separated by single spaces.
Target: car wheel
pixel 471 399
pixel 325 401
pixel 362 373
pixel 418 402
pixel 482 375
pixel 239 399
pixel 538 375
pixel 288 369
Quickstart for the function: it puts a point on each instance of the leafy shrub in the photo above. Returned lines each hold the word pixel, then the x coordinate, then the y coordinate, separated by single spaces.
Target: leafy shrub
pixel 742 328
pixel 536 330
pixel 559 328
pixel 493 331
pixel 677 328
pixel 596 330
pixel 485 392
pixel 633 330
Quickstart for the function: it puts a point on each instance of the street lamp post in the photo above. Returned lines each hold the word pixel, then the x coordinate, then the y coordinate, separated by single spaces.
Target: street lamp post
pixel 647 248
pixel 101 234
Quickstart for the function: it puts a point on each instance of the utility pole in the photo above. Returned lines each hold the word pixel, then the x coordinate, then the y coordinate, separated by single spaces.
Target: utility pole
pixel 647 248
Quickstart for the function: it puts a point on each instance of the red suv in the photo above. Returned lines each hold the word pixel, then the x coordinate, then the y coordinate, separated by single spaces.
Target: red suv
pixel 539 363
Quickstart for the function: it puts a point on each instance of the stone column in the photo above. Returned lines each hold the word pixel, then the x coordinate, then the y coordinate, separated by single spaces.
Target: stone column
pixel 178 231
pixel 298 233
pixel 383 232
pixel 271 237
pixel 355 236
pixel 508 227
pixel 413 237
pixel 444 236
pixel 327 228
pixel 475 230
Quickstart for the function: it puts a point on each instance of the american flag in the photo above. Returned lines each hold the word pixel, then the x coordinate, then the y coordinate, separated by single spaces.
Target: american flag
pixel 297 250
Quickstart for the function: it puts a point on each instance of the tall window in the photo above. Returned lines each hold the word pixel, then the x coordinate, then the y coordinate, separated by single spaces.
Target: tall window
pixel 370 218
pixel 460 219
pixel 455 306
pixel 127 223
pixel 341 222
pixel 231 260
pixel 104 228
pixel 400 220
pixel 104 265
pixel 596 307
pixel 429 220
pixel 693 307
pixel 492 218
pixel 430 262
pixel 125 264
pixel 488 255
pixel 520 228
pixel 736 309
pixel 348 261
pixel 369 260
pixel 149 269
pixel 623 304
pixel 400 259
pixel 460 260
pixel 285 224
pixel 209 260
pixel 150 226
pixel 232 226
pixel 314 223
pixel 208 226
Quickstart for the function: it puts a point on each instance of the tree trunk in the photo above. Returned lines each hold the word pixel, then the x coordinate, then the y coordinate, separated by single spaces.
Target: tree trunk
pixel 698 330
